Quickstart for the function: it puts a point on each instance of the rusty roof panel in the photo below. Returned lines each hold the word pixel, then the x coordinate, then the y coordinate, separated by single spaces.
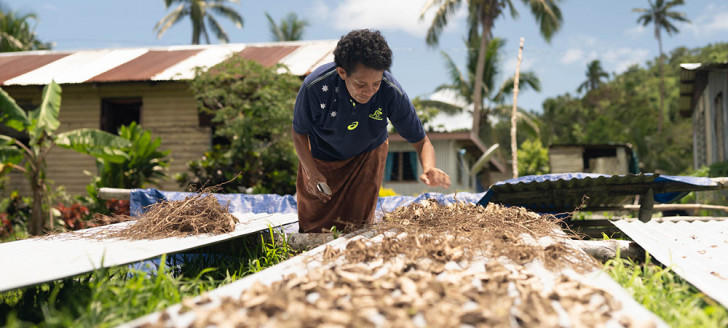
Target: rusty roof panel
pixel 267 56
pixel 697 250
pixel 145 66
pixel 15 65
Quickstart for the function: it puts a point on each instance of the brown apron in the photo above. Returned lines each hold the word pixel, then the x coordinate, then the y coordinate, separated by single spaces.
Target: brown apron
pixel 354 186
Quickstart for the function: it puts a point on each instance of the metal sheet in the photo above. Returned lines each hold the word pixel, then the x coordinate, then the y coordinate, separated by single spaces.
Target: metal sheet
pixel 145 66
pixel 155 64
pixel 19 63
pixel 77 67
pixel 695 250
pixel 185 70
pixel 267 56
pixel 176 317
pixel 37 260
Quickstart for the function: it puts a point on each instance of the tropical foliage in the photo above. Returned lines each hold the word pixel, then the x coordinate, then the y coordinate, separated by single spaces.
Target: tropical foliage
pixel 145 165
pixel 251 108
pixel 40 125
pixel 201 16
pixel 622 111
pixel 290 28
pixel 594 75
pixel 533 158
pixel 482 15
pixel 660 14
pixel 17 32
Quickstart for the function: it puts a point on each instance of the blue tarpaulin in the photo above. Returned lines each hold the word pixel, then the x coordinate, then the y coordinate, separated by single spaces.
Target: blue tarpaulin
pixel 270 203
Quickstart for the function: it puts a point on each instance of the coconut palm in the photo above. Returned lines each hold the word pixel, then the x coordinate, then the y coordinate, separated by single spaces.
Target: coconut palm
pixel 493 102
pixel 17 34
pixel 594 75
pixel 481 18
pixel 200 11
pixel 659 13
pixel 290 28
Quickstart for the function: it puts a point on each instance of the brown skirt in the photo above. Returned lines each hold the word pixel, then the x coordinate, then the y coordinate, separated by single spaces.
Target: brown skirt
pixel 354 186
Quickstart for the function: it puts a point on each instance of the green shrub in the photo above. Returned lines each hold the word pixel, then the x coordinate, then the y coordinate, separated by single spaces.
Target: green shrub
pixel 251 107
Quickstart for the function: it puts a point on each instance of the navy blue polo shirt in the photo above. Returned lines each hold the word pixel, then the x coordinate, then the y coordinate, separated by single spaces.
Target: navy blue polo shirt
pixel 338 127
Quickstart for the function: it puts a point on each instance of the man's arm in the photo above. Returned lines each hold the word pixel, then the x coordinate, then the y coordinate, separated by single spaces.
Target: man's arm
pixel 313 175
pixel 431 175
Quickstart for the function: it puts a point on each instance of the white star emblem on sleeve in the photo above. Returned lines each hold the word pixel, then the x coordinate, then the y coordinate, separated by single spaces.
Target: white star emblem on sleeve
pixel 323 106
pixel 325 88
pixel 333 114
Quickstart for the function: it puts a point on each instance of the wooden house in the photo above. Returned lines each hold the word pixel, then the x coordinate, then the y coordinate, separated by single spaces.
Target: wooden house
pixel 107 88
pixel 612 159
pixel 457 152
pixel 703 92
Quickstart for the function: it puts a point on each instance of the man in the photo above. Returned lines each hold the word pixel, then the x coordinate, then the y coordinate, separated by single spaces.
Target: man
pixel 340 134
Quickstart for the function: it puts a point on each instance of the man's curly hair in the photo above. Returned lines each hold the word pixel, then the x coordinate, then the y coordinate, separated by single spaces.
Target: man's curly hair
pixel 367 47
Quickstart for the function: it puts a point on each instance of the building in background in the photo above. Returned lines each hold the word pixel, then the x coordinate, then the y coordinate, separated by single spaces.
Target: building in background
pixel 107 88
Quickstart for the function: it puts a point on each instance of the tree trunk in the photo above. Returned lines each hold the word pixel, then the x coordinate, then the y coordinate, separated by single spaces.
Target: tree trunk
pixel 514 121
pixel 662 88
pixel 35 226
pixel 487 23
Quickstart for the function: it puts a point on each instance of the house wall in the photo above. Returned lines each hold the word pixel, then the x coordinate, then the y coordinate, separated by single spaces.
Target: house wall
pixel 710 122
pixel 168 111
pixel 566 159
pixel 446 154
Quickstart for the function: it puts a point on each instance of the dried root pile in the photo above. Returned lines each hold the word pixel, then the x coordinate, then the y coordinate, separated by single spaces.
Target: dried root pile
pixel 197 214
pixel 435 266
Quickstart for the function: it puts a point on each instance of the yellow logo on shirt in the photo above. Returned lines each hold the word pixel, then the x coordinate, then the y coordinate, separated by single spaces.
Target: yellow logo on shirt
pixel 353 125
pixel 377 115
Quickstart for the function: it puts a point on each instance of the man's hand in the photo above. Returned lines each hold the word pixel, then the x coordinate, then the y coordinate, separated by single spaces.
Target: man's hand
pixel 313 179
pixel 435 177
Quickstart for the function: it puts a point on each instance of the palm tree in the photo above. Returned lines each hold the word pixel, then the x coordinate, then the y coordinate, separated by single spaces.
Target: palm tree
pixel 290 29
pixel 493 102
pixel 481 17
pixel 16 33
pixel 199 11
pixel 594 75
pixel 660 15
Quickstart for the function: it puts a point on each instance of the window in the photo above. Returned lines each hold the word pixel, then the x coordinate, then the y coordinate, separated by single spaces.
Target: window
pixel 401 166
pixel 116 112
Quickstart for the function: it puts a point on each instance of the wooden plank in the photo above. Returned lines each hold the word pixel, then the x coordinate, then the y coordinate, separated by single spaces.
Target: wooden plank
pixel 37 260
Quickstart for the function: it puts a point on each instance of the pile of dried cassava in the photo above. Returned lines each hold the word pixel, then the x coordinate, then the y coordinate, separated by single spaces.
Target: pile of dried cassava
pixel 430 265
pixel 200 213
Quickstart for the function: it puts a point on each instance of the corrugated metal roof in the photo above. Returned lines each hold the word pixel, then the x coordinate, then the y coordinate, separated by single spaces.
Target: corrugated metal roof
pixel 144 67
pixel 564 192
pixel 17 64
pixel 154 64
pixel 697 250
pixel 68 254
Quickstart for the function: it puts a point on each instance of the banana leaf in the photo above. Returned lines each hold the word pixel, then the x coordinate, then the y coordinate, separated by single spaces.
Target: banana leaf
pixel 45 118
pixel 97 143
pixel 11 114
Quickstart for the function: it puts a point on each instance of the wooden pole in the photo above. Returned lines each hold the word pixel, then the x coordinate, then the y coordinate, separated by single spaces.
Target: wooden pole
pixel 514 118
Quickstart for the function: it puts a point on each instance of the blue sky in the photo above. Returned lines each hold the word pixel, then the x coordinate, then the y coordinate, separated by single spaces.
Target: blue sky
pixel 604 30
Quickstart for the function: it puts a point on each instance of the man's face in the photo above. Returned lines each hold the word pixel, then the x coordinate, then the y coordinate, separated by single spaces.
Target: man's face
pixel 363 83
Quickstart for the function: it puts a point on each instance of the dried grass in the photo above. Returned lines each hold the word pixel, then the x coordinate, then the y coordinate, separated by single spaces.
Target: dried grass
pixel 200 213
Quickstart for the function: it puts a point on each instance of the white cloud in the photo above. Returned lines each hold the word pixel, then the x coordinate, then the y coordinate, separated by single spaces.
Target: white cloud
pixel 635 32
pixel 399 15
pixel 714 19
pixel 619 59
pixel 572 55
pixel 718 23
pixel 49 6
